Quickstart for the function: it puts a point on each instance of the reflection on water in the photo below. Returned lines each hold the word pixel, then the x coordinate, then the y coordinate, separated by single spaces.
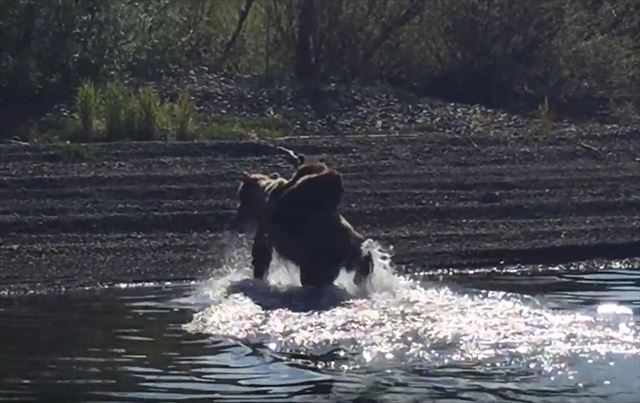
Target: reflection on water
pixel 468 340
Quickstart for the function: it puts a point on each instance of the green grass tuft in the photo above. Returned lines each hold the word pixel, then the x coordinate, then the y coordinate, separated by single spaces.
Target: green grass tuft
pixel 239 128
pixel 69 152
pixel 130 116
pixel 143 116
pixel 87 106
pixel 545 123
pixel 183 111
pixel 150 114
pixel 115 98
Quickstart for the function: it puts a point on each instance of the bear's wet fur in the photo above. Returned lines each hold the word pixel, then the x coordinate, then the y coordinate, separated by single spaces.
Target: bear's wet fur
pixel 299 219
pixel 313 188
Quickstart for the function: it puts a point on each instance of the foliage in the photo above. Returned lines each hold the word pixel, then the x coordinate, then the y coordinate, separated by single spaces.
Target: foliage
pixel 59 131
pixel 69 152
pixel 494 52
pixel 151 114
pixel 130 115
pixel 116 99
pixel 87 104
pixel 183 117
pixel 238 128
pixel 545 122
pixel 625 113
pixel 118 113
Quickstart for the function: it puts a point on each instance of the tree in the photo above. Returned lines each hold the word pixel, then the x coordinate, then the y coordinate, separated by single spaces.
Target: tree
pixel 305 66
pixel 242 17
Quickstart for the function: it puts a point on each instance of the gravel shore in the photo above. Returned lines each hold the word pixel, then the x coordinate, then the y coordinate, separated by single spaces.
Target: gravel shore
pixel 129 212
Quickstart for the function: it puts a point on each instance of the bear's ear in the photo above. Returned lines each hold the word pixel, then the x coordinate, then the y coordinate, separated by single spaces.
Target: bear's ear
pixel 275 175
pixel 246 176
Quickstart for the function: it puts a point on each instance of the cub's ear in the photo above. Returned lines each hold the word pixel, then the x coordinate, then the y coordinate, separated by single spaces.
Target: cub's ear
pixel 275 175
pixel 246 176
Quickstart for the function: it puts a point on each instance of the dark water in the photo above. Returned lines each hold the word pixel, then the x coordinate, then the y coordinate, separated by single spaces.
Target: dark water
pixel 131 344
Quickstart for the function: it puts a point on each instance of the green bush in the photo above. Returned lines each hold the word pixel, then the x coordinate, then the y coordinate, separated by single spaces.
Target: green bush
pixel 482 51
pixel 130 116
pixel 183 117
pixel 115 99
pixel 545 122
pixel 624 113
pixel 151 113
pixel 67 152
pixel 87 105
pixel 118 113
pixel 60 131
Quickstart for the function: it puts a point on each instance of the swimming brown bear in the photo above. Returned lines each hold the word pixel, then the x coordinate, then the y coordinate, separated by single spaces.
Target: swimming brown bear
pixel 299 219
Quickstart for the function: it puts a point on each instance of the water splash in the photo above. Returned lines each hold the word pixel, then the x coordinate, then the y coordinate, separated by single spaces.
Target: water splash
pixel 393 318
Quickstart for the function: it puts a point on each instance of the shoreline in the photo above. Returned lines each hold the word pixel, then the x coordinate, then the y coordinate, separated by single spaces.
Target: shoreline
pixel 132 212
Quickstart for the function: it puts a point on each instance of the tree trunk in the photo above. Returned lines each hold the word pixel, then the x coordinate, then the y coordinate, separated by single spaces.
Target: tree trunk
pixel 267 39
pixel 244 13
pixel 305 66
pixel 415 8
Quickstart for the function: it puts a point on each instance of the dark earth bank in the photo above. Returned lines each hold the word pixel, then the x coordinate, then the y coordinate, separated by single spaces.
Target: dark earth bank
pixel 129 212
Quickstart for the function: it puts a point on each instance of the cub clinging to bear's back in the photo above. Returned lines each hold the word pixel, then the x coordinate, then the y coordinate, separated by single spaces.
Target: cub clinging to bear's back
pixel 313 188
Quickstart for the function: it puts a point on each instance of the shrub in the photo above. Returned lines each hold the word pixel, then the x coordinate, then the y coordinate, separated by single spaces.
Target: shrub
pixel 87 104
pixel 501 53
pixel 545 121
pixel 624 113
pixel 73 153
pixel 116 98
pixel 69 152
pixel 130 114
pixel 183 117
pixel 150 114
pixel 61 130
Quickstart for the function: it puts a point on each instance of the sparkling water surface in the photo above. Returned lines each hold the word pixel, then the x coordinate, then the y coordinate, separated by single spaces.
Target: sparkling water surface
pixel 553 335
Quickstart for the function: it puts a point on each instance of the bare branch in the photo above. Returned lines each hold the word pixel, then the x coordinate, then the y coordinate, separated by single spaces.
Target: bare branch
pixel 416 7
pixel 244 13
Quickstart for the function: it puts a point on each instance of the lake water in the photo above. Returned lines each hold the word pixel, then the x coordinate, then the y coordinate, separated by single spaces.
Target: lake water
pixel 552 335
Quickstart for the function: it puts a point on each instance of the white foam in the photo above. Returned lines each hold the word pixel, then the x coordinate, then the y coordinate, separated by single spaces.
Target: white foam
pixel 614 309
pixel 395 318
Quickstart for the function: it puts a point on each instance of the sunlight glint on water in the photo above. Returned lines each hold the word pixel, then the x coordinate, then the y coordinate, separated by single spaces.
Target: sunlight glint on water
pixel 397 320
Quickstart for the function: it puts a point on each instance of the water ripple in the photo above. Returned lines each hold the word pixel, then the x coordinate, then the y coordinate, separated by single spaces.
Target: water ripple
pixel 400 320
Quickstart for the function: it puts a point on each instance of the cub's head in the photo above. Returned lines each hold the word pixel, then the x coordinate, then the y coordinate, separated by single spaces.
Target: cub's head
pixel 252 198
